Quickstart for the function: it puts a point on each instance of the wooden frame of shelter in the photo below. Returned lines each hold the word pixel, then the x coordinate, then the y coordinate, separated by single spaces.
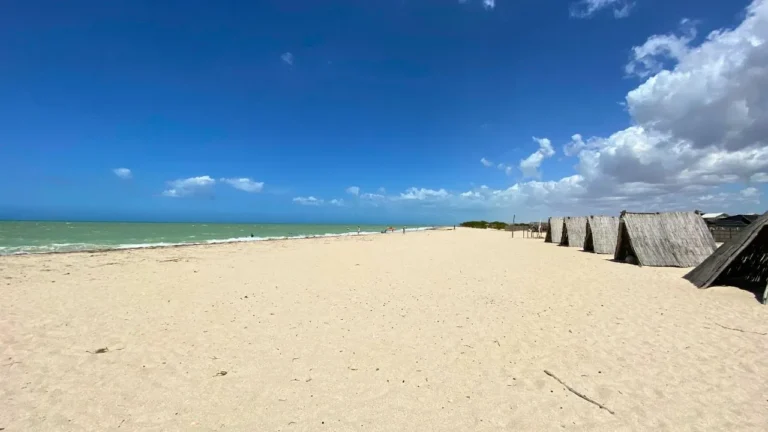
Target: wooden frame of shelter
pixel 574 231
pixel 554 230
pixel 673 239
pixel 744 258
pixel 602 233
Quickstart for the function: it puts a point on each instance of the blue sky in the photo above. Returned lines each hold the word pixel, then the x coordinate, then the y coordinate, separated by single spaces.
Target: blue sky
pixel 380 111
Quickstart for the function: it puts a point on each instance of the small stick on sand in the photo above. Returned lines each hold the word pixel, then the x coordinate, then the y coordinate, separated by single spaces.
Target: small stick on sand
pixel 103 350
pixel 577 393
pixel 739 330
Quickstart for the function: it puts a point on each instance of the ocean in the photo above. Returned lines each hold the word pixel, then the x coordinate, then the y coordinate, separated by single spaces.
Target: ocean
pixel 48 237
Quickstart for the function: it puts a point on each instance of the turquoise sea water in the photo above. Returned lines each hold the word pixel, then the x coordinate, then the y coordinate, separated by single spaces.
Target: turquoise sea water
pixel 45 237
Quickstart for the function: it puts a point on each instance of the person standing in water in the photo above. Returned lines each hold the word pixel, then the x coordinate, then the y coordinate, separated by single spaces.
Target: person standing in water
pixel 358 230
pixel 403 230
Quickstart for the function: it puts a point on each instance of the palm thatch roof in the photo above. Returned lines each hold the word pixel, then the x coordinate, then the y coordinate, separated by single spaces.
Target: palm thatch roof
pixel 743 257
pixel 602 232
pixel 575 231
pixel 675 239
pixel 554 230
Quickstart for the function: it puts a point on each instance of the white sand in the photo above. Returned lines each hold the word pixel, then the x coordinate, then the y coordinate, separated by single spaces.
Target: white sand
pixel 440 331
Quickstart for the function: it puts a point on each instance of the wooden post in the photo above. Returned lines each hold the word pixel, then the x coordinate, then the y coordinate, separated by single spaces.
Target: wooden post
pixel 513 226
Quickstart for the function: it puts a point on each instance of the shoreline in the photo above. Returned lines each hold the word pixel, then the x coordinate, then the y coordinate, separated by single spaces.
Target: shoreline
pixel 235 240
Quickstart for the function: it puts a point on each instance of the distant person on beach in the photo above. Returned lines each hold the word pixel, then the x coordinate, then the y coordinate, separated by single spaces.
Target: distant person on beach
pixel 403 230
pixel 251 234
pixel 358 230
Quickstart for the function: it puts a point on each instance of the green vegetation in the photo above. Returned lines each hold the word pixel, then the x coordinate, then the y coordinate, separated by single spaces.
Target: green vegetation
pixel 492 225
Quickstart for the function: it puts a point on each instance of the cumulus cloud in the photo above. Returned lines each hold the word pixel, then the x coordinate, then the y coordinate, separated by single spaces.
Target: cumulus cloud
pixel 308 201
pixel 353 190
pixel 288 58
pixel 715 95
pixel 244 184
pixel 193 186
pixel 336 202
pixel 530 165
pixel 486 162
pixel 123 173
pixel 699 126
pixel 588 8
pixel 700 121
pixel 649 57
pixel 422 194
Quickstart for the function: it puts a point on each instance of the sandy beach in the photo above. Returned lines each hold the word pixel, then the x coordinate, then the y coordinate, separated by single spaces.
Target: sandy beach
pixel 427 331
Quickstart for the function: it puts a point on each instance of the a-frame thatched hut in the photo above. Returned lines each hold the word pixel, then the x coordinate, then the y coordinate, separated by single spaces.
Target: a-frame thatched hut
pixel 602 232
pixel 554 230
pixel 675 239
pixel 575 231
pixel 743 257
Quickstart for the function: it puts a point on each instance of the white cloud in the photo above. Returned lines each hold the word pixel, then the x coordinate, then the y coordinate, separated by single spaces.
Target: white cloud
pixel 193 186
pixel 750 192
pixel 309 201
pixel 123 173
pixel 587 8
pixel 649 57
pixel 353 190
pixel 697 138
pixel 508 169
pixel 288 58
pixel 530 165
pixel 502 166
pixel 336 202
pixel 382 190
pixel 715 95
pixel 423 194
pixel 244 184
pixel 373 196
pixel 487 4
pixel 748 195
pixel 697 125
pixel 699 130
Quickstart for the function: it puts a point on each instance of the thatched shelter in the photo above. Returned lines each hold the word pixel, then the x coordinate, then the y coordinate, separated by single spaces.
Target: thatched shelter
pixel 675 239
pixel 602 232
pixel 554 230
pixel 743 257
pixel 575 231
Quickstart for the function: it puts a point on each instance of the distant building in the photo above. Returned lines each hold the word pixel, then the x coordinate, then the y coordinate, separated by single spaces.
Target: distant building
pixel 735 221
pixel 708 217
pixel 725 228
